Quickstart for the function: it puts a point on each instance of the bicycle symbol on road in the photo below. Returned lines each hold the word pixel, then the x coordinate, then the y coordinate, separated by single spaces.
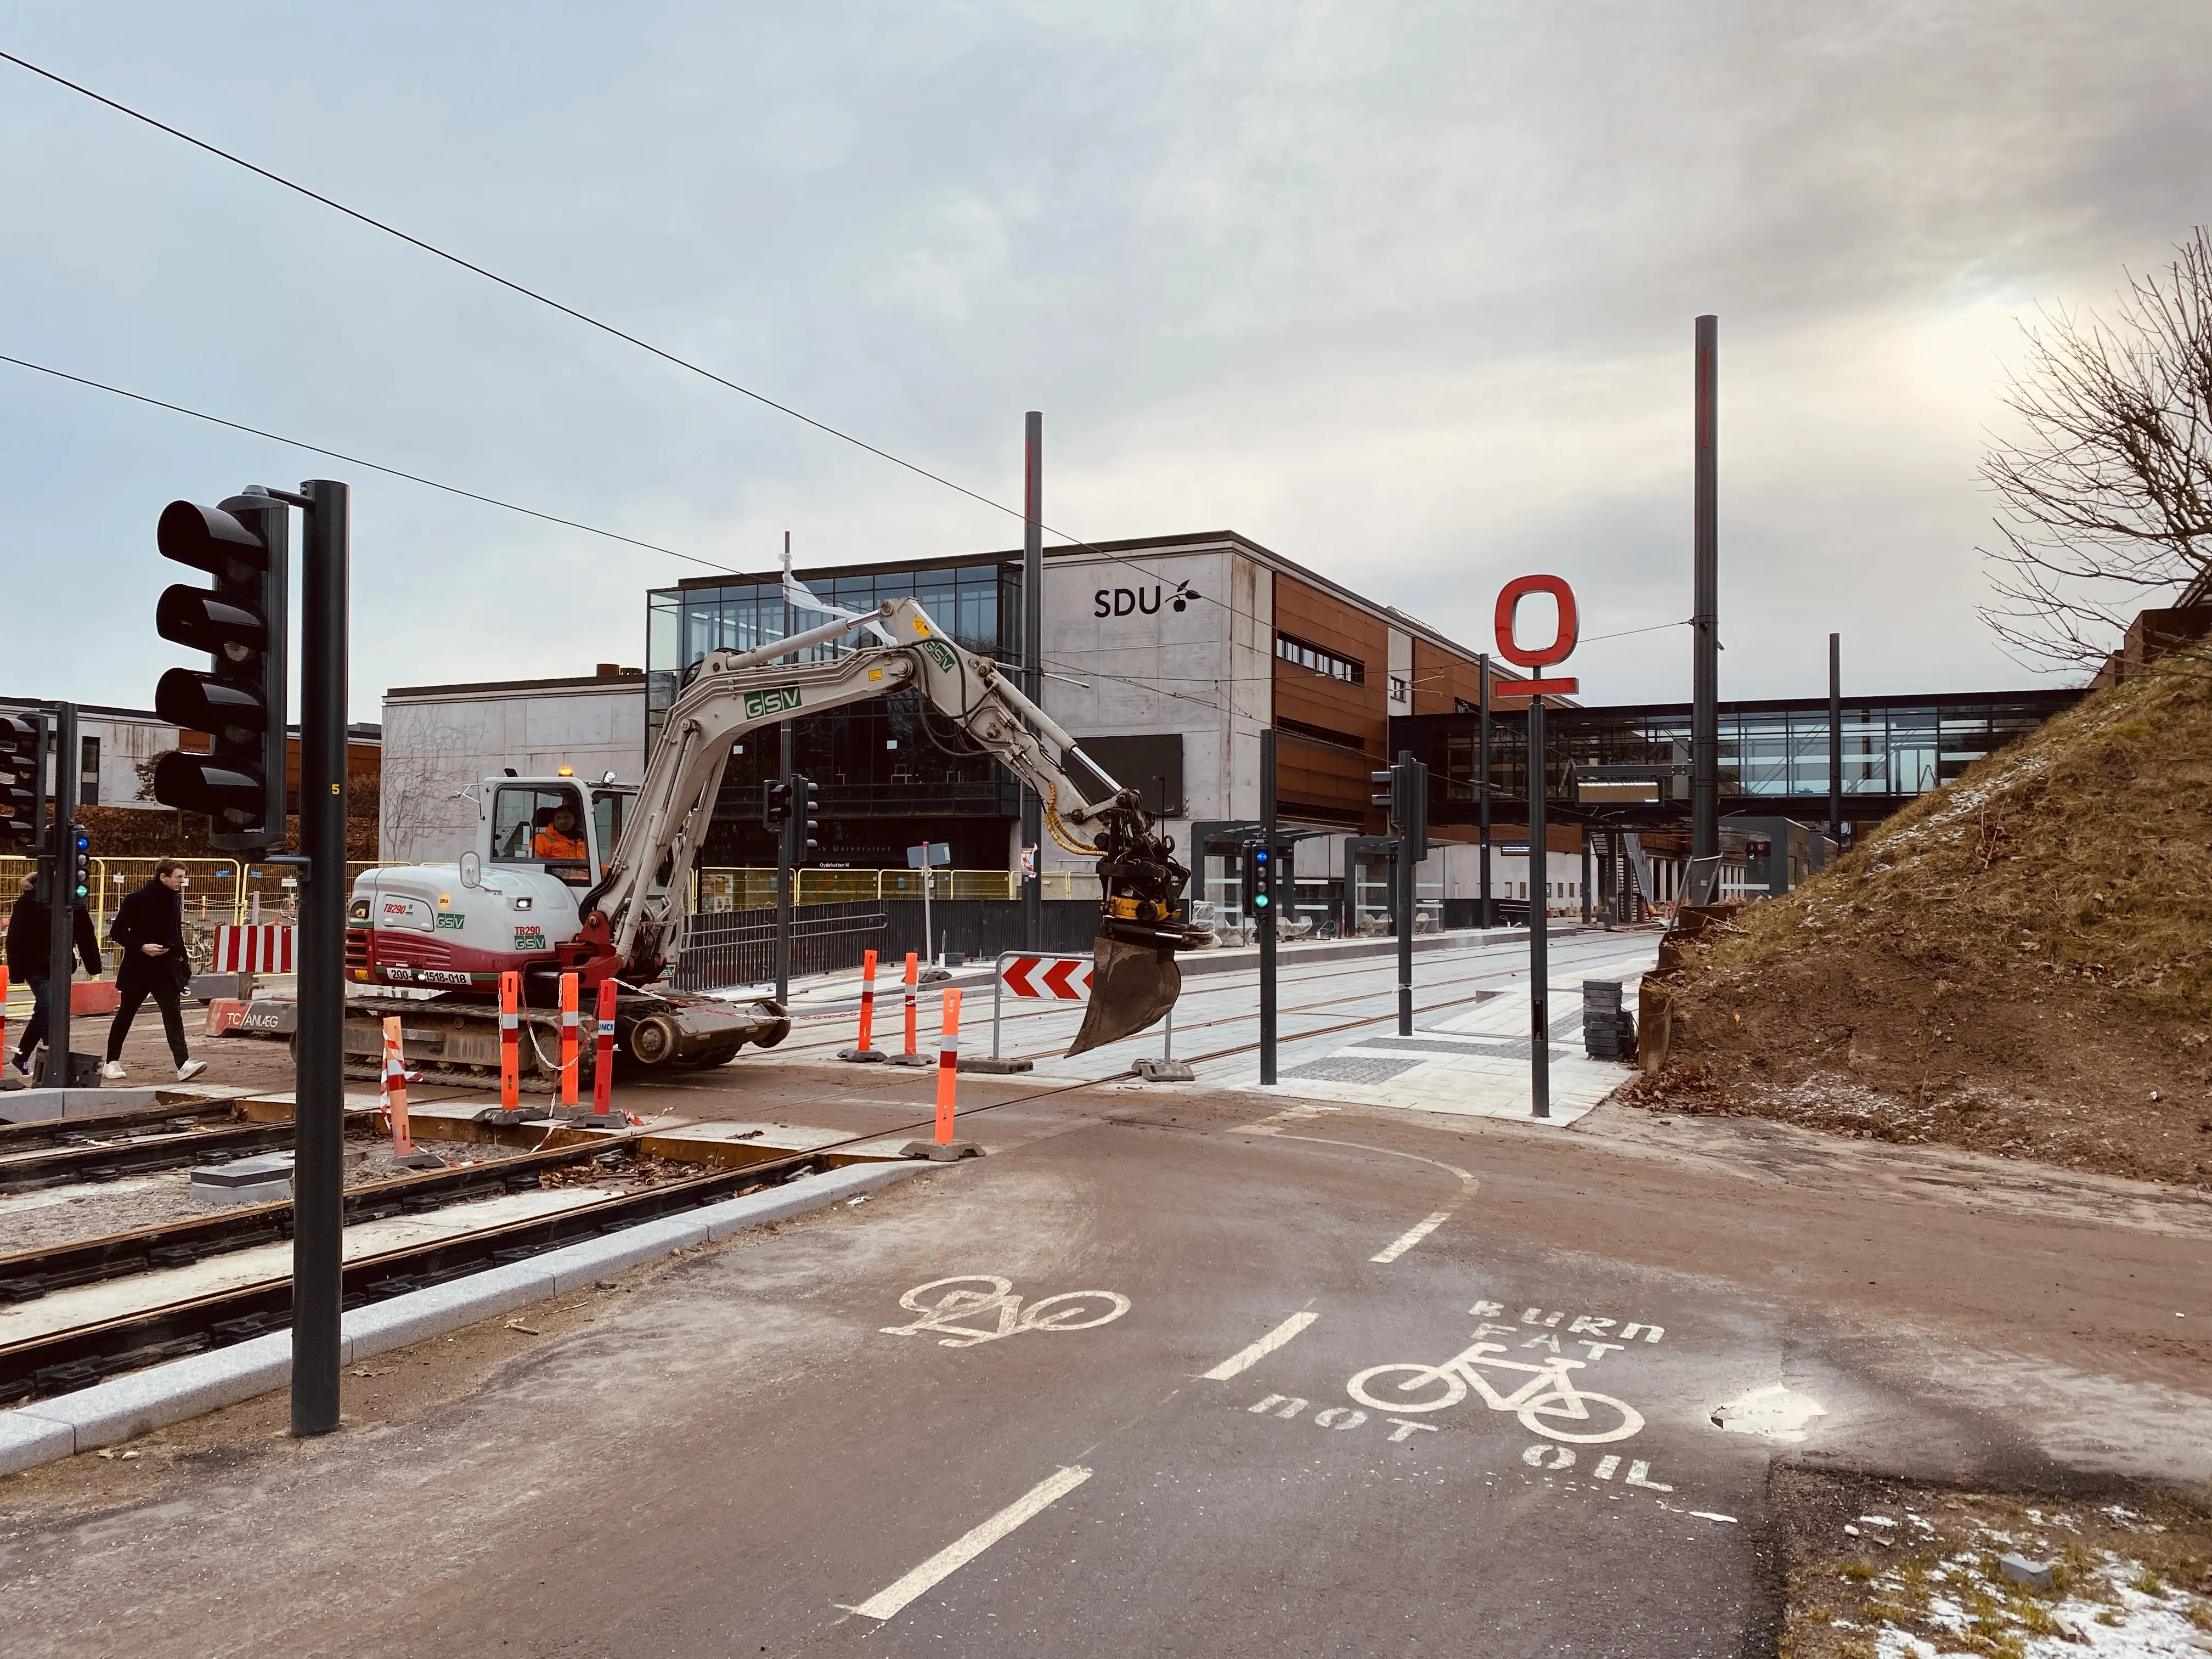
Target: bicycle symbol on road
pixel 1548 1403
pixel 970 1297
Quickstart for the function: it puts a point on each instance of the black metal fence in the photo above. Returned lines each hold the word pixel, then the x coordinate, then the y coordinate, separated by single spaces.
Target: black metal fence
pixel 738 947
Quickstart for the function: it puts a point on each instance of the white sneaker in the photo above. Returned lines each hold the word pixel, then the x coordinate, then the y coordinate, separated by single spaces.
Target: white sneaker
pixel 112 1070
pixel 13 1076
pixel 191 1069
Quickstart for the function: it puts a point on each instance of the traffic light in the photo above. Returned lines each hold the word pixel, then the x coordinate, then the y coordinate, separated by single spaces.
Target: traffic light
pixel 799 830
pixel 240 623
pixel 775 806
pixel 81 871
pixel 1403 793
pixel 19 777
pixel 1259 874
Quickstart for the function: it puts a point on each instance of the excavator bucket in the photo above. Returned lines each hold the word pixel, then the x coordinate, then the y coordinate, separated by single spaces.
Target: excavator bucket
pixel 1132 986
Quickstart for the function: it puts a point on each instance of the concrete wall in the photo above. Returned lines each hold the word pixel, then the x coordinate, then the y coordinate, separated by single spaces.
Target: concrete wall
pixel 1200 672
pixel 125 739
pixel 440 743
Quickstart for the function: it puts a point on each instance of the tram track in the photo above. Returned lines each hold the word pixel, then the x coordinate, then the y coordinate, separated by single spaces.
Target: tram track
pixel 82 1354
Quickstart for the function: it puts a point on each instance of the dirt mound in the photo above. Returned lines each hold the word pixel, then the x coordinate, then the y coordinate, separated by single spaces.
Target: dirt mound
pixel 2020 962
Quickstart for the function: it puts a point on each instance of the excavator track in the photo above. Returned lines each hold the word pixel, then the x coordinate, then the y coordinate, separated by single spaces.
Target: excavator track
pixel 457 1041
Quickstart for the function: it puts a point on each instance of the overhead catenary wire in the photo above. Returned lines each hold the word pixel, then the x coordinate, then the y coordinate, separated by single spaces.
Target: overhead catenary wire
pixel 578 315
pixel 373 466
pixel 566 310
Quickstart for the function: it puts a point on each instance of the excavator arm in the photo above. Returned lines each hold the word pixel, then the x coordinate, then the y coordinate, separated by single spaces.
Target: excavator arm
pixel 635 913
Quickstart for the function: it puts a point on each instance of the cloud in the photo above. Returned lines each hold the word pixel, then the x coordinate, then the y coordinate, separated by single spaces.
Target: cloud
pixel 1402 291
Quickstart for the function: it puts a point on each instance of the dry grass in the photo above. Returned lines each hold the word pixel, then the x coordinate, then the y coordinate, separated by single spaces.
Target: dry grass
pixel 2019 964
pixel 2083 851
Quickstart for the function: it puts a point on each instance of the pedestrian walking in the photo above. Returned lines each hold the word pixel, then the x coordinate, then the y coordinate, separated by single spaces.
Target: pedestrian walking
pixel 30 944
pixel 150 928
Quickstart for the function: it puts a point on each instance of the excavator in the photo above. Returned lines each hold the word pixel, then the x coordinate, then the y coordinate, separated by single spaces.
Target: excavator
pixel 573 877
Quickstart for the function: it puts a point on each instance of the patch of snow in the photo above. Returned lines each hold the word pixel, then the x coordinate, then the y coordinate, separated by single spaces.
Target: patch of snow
pixel 1776 1412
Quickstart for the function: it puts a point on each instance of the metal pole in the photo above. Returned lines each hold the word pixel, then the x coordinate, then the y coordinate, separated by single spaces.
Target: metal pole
pixel 1704 609
pixel 928 881
pixel 1267 917
pixel 319 1161
pixel 61 887
pixel 1033 659
pixel 997 986
pixel 1489 914
pixel 1408 856
pixel 1835 739
pixel 1540 888
pixel 783 841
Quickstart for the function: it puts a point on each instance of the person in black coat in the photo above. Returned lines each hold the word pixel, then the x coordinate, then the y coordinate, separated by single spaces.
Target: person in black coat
pixel 150 928
pixel 30 943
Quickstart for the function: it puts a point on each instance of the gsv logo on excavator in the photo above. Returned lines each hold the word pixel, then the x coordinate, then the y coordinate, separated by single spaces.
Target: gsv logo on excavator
pixel 778 700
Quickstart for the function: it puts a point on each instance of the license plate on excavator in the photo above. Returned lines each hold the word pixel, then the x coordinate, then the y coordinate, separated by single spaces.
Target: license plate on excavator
pixel 1132 987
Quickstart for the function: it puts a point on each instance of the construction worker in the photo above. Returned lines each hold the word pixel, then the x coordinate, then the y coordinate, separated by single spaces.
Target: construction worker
pixel 29 929
pixel 560 839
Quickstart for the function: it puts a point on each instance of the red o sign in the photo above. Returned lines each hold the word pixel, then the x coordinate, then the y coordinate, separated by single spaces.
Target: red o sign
pixel 1561 646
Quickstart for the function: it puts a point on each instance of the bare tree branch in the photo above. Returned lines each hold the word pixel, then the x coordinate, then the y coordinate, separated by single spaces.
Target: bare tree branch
pixel 2106 503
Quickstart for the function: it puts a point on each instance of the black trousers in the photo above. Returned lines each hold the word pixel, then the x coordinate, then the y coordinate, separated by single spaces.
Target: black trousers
pixel 161 986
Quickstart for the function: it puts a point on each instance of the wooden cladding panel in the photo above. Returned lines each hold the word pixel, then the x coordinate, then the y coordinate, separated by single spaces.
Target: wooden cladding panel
pixel 1359 711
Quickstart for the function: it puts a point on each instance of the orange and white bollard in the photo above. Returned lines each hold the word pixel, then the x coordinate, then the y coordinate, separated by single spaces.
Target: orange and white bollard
pixel 948 1065
pixel 603 1055
pixel 4 1010
pixel 510 1109
pixel 945 1148
pixel 864 1049
pixel 568 1036
pixel 911 1054
pixel 395 1089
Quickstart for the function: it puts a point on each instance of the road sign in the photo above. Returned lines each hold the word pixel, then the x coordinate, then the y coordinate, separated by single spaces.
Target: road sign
pixel 936 853
pixel 1067 980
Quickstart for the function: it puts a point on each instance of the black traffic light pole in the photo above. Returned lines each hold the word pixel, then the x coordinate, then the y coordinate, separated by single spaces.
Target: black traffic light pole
pixel 242 622
pixel 1032 664
pixel 319 1166
pixel 1407 777
pixel 1482 786
pixel 62 898
pixel 1266 912
pixel 1539 891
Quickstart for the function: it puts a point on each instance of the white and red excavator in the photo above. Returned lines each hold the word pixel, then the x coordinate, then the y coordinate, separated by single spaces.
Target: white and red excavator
pixel 599 892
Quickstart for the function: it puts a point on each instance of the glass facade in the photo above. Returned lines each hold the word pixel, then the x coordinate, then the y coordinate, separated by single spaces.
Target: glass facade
pixel 1893 747
pixel 871 758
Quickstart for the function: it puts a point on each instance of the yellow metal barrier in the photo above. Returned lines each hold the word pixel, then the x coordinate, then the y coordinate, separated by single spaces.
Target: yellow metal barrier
pixel 755 889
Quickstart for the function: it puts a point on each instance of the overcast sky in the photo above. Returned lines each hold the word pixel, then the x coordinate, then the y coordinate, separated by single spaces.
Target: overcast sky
pixel 1403 292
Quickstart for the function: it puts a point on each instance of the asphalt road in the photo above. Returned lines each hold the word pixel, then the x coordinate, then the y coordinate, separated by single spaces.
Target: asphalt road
pixel 797 1444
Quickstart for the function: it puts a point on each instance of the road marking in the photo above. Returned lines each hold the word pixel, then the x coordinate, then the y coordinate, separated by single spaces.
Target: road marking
pixel 1245 1359
pixel 958 1554
pixel 1412 1236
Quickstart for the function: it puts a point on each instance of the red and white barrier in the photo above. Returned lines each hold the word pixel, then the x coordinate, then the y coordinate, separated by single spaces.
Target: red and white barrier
pixel 264 950
pixel 1067 980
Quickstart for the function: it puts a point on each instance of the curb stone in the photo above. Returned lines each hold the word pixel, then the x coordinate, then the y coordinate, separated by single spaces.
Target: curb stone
pixel 125 1407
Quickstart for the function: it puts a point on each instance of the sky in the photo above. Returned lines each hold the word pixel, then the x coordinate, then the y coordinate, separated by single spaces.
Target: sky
pixel 1403 292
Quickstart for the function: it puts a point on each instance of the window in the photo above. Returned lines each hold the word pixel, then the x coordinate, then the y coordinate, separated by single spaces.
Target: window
pixel 88 772
pixel 1397 689
pixel 610 811
pixel 1462 706
pixel 1319 659
pixel 525 828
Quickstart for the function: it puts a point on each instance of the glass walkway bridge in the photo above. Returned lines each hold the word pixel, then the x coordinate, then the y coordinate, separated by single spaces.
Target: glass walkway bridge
pixel 1629 765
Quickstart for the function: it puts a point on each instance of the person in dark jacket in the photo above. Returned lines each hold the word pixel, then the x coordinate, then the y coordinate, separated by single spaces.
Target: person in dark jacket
pixel 150 928
pixel 30 942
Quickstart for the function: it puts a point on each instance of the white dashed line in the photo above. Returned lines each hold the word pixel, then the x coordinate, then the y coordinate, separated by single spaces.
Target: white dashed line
pixel 1412 1236
pixel 963 1550
pixel 1245 1359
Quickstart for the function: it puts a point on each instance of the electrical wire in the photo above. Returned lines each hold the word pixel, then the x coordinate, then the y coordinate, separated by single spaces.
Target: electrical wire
pixel 569 311
pixel 373 466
